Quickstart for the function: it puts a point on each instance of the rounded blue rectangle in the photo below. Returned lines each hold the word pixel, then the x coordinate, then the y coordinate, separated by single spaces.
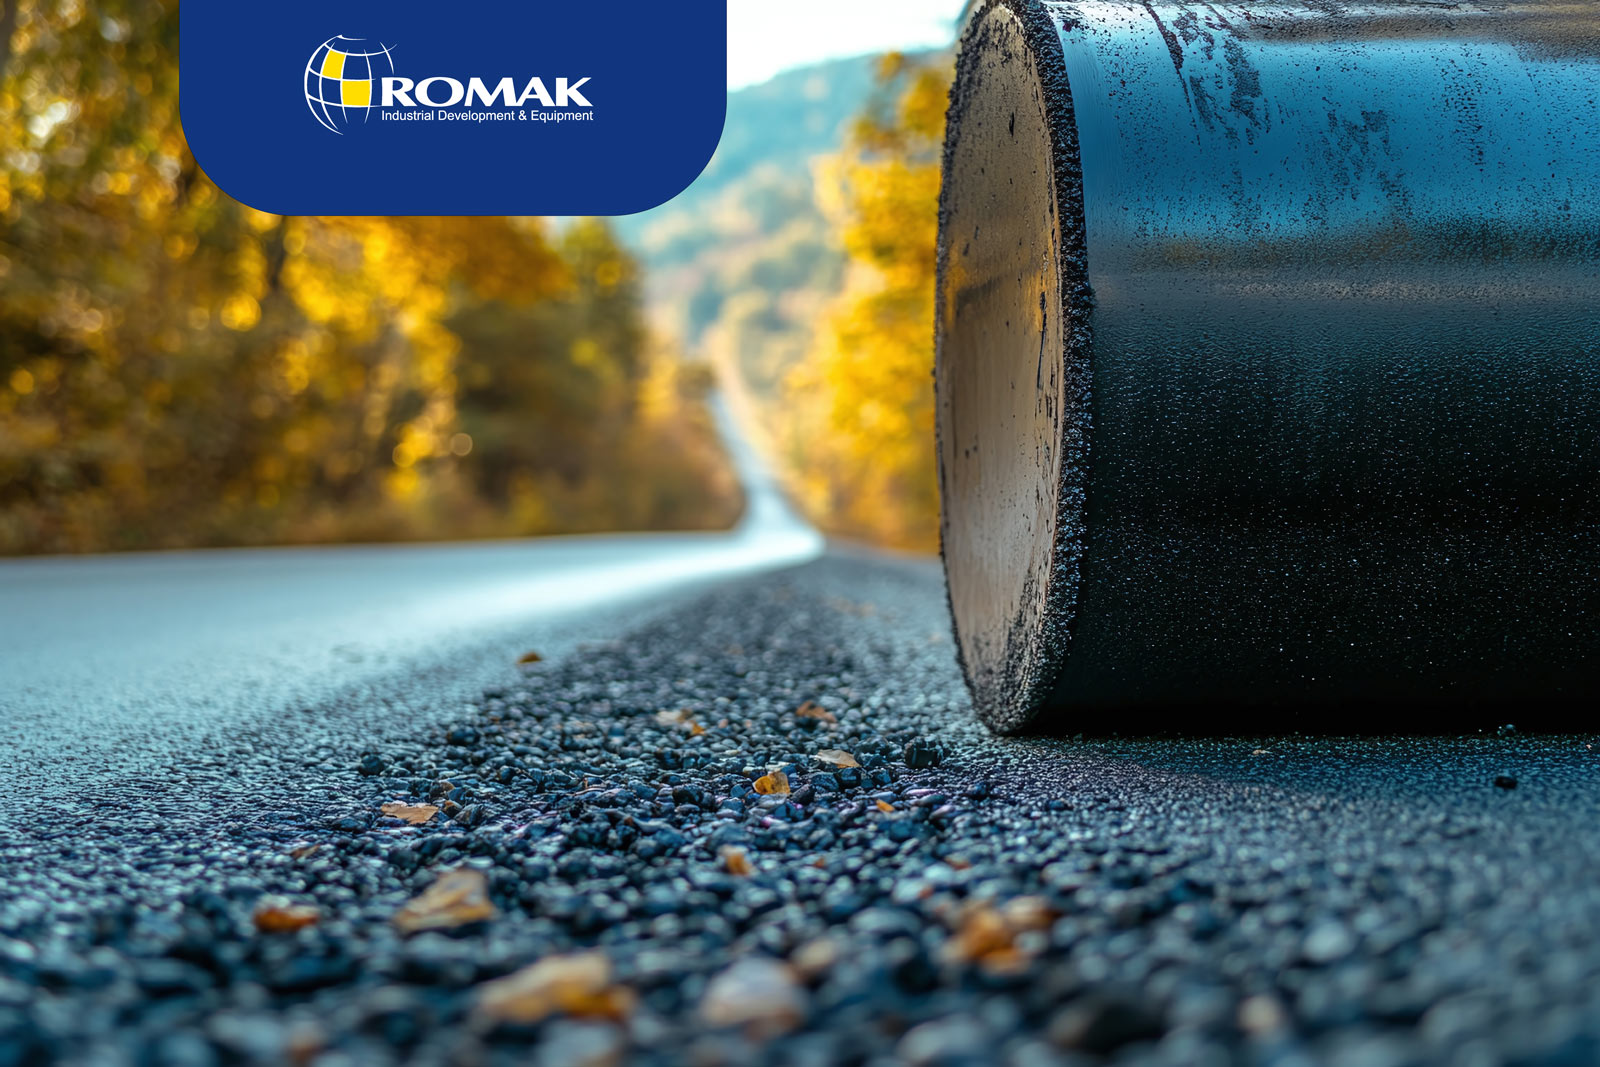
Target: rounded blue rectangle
pixel 491 108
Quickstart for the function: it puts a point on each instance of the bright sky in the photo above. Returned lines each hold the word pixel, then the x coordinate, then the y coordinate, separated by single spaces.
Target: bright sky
pixel 768 36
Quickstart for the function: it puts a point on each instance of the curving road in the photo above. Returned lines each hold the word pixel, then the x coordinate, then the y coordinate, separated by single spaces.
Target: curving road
pixel 117 666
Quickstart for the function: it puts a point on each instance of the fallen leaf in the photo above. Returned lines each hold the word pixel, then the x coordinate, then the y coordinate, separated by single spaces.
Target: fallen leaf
pixel 757 993
pixel 837 757
pixel 1261 752
pixel 529 657
pixel 1028 913
pixel 457 898
pixel 812 710
pixel 884 805
pixel 681 717
pixel 415 814
pixel 987 935
pixel 774 784
pixel 302 850
pixel 734 861
pixel 275 915
pixel 580 986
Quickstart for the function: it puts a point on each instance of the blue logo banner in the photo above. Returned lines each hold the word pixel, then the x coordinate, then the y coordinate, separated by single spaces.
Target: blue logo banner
pixel 490 107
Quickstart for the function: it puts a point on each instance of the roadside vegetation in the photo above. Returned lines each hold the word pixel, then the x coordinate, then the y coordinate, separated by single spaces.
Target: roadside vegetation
pixel 179 370
pixel 859 438
pixel 801 268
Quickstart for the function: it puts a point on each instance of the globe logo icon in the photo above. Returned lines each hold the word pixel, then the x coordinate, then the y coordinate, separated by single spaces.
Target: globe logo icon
pixel 341 79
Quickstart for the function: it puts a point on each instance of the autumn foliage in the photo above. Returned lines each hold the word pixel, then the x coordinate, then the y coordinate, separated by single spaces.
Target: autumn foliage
pixel 860 436
pixel 178 369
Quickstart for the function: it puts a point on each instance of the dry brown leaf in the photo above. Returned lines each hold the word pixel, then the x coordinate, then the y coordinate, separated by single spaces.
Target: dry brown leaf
pixel 302 850
pixel 884 805
pixel 580 986
pixel 837 757
pixel 275 915
pixel 681 717
pixel 1262 752
pixel 988 936
pixel 415 814
pixel 1028 913
pixel 812 710
pixel 735 861
pixel 529 657
pixel 457 898
pixel 774 784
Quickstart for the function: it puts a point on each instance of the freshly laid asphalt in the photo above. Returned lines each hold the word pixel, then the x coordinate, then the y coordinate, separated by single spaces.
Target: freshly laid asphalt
pixel 955 899
pixel 124 668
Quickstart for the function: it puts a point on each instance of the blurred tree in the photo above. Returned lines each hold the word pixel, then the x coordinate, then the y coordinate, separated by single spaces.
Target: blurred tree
pixel 860 431
pixel 178 369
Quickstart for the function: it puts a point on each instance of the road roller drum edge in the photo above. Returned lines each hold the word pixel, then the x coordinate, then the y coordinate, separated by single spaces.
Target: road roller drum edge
pixel 1268 368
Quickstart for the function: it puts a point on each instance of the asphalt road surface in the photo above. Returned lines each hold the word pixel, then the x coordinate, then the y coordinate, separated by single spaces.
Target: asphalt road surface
pixel 197 867
pixel 120 666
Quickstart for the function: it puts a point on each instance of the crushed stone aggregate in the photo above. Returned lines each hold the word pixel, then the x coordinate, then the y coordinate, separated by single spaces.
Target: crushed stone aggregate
pixel 956 899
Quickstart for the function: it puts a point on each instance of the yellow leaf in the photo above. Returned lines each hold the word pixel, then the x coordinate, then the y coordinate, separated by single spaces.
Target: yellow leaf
pixel 415 814
pixel 988 935
pixel 579 986
pixel 884 805
pixel 734 861
pixel 774 784
pixel 275 915
pixel 812 710
pixel 457 898
pixel 681 717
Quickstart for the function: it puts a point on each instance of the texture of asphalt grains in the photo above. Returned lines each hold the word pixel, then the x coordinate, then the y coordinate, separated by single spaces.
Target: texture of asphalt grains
pixel 1262 900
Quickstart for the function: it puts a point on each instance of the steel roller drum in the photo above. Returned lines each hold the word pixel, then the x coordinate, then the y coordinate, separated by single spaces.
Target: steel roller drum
pixel 1268 365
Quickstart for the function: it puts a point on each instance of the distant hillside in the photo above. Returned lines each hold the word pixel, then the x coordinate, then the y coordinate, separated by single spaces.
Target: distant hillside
pixel 781 124
pixel 740 266
pixel 751 220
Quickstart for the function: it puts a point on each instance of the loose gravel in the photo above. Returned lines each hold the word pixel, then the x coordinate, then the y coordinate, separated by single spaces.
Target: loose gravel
pixel 614 874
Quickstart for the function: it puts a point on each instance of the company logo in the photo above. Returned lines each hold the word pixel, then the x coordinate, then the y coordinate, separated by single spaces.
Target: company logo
pixel 342 78
pixel 348 78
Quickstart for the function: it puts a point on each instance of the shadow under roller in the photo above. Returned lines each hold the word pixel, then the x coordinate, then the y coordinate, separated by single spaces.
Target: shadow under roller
pixel 1268 367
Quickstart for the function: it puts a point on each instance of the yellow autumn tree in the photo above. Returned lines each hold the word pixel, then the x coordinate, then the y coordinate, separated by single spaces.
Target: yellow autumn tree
pixel 178 369
pixel 860 433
